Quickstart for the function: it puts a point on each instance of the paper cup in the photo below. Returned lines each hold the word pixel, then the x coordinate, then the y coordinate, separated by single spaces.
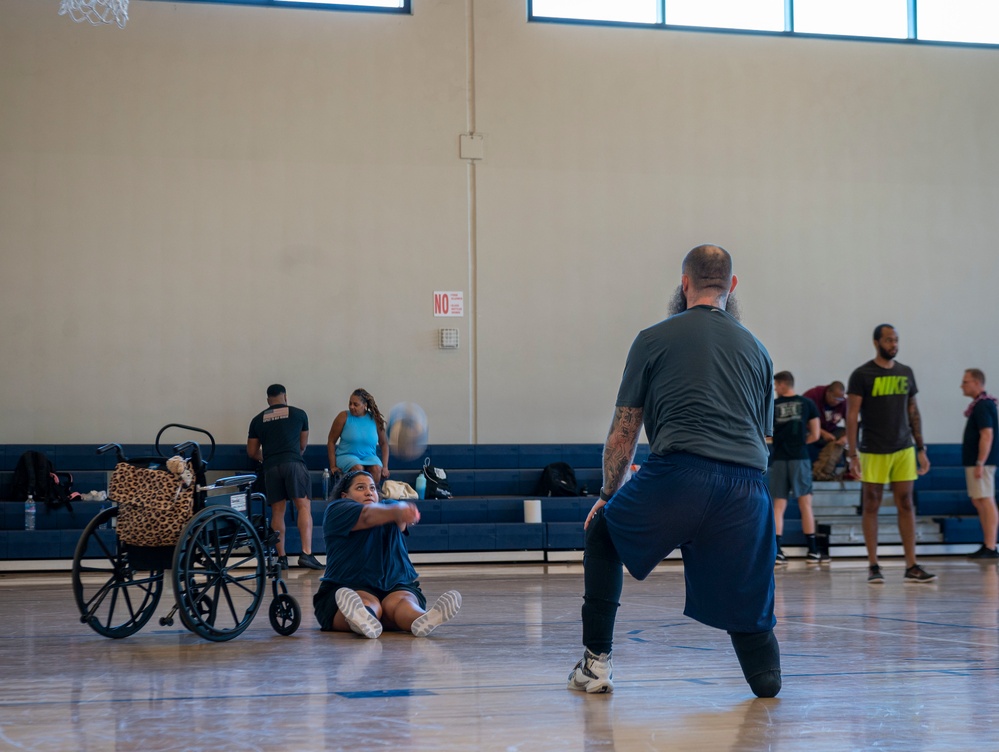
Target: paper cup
pixel 532 510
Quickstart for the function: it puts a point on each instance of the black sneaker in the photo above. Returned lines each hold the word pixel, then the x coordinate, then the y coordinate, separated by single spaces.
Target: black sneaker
pixel 985 553
pixel 814 557
pixel 781 558
pixel 874 576
pixel 916 573
pixel 308 561
pixel 283 561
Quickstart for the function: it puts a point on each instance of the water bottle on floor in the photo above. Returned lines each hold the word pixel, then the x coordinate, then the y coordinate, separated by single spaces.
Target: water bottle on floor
pixel 29 513
pixel 326 484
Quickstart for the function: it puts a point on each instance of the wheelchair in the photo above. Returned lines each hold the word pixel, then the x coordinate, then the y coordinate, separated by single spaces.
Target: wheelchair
pixel 217 566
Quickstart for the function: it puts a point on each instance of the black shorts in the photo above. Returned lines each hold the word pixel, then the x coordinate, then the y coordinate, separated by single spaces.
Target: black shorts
pixel 289 480
pixel 324 601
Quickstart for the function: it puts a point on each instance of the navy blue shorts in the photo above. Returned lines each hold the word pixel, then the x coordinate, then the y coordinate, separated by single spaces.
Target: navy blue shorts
pixel 721 518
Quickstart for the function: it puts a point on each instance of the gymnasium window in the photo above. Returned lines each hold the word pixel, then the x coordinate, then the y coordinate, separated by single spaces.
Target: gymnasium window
pixel 949 21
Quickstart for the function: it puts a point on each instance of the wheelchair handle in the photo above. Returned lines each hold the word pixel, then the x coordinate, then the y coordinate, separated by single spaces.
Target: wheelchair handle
pixel 117 447
pixel 186 444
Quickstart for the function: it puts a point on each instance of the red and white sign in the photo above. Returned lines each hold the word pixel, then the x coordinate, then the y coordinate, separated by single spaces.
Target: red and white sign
pixel 449 304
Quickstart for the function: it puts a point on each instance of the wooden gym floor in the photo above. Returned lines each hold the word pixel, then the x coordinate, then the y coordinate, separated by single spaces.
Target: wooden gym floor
pixel 896 667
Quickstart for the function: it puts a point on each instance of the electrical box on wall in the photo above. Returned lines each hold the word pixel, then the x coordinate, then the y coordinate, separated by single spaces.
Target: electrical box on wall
pixel 448 339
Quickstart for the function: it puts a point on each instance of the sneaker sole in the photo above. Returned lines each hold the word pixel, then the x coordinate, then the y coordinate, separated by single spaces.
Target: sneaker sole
pixel 913 581
pixel 445 609
pixel 594 687
pixel 358 617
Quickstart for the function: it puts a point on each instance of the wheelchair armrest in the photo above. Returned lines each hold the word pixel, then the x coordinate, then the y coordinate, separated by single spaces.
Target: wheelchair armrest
pixel 234 480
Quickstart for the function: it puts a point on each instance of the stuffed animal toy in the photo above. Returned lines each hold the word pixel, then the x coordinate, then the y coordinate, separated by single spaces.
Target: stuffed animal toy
pixel 179 467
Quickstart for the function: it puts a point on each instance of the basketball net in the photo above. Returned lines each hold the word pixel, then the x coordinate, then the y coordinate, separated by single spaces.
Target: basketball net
pixel 96 11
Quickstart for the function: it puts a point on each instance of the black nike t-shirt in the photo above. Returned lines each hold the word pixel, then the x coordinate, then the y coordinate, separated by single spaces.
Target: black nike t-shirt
pixel 884 412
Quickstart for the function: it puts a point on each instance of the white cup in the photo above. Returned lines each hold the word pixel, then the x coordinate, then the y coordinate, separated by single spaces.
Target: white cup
pixel 532 510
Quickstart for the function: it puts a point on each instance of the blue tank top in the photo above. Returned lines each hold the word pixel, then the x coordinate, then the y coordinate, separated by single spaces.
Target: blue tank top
pixel 359 437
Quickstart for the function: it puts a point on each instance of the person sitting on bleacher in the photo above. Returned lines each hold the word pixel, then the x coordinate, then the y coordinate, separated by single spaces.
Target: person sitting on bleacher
pixel 831 403
pixel 369 583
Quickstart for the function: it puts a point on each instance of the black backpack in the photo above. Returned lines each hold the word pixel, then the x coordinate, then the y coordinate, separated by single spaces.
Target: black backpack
pixel 558 479
pixel 35 475
pixel 437 485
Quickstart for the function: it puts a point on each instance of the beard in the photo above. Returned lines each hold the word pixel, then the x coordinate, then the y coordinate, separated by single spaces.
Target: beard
pixel 678 304
pixel 887 354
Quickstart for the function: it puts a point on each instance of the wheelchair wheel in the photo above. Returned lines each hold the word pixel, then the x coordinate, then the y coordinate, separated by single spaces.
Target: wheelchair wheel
pixel 218 574
pixel 114 599
pixel 285 614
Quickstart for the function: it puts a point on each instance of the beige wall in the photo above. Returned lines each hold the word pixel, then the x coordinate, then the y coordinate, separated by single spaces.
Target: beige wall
pixel 218 197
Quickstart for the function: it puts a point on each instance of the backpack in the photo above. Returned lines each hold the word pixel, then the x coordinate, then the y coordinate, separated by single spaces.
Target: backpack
pixel 558 479
pixel 35 475
pixel 437 485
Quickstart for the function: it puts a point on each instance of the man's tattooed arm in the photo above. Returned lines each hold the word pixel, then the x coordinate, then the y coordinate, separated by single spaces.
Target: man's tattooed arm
pixel 619 451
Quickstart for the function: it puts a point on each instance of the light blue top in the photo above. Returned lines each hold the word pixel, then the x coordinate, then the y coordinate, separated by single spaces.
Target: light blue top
pixel 358 443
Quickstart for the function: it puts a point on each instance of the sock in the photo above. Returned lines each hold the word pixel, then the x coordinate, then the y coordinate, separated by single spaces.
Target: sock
pixel 759 657
pixel 778 541
pixel 813 546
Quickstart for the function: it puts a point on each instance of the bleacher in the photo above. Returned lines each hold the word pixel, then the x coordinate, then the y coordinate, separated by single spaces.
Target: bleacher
pixel 483 522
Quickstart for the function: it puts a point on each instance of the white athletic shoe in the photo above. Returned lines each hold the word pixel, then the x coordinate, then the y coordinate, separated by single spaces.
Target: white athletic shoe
pixel 594 674
pixel 358 617
pixel 441 612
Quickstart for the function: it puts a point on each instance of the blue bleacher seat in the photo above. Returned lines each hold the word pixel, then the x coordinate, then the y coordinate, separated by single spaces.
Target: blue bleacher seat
pixel 564 536
pixel 427 537
pixel 963 530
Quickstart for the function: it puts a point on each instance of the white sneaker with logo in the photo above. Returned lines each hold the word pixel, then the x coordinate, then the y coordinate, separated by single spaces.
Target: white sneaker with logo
pixel 594 674
pixel 358 617
pixel 445 609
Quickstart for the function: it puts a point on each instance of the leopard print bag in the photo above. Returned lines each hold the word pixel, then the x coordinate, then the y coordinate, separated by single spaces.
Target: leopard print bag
pixel 153 505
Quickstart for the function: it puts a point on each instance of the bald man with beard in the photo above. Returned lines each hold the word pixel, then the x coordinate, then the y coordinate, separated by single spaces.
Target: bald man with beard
pixel 701 384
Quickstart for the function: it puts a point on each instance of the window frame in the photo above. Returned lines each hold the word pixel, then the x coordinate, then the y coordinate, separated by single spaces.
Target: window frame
pixel 911 9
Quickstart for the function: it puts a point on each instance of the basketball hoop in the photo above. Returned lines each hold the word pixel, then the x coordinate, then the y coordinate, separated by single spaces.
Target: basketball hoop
pixel 96 11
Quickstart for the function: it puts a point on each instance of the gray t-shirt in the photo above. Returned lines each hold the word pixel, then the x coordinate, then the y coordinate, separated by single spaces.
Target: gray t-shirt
pixel 705 384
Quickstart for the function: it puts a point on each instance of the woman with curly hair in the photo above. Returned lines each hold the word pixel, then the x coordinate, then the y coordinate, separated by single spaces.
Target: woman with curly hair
pixel 363 443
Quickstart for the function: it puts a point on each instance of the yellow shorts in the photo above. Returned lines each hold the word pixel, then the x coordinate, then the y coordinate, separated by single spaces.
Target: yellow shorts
pixel 888 468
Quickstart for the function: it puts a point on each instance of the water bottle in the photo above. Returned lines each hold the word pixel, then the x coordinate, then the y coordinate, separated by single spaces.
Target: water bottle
pixel 29 513
pixel 421 485
pixel 326 484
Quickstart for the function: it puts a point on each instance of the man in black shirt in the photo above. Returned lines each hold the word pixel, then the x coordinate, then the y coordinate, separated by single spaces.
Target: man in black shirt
pixel 882 395
pixel 277 438
pixel 980 455
pixel 796 425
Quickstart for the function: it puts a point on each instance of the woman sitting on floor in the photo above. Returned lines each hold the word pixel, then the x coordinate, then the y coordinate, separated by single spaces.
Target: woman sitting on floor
pixel 370 583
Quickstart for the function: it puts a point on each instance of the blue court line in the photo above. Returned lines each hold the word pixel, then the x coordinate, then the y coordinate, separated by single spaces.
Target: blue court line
pixel 386 693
